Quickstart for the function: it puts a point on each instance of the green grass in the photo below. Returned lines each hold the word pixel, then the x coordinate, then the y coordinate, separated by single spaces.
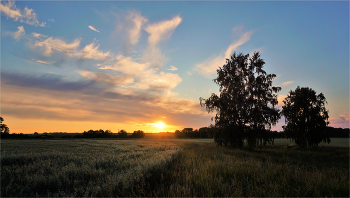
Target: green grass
pixel 203 169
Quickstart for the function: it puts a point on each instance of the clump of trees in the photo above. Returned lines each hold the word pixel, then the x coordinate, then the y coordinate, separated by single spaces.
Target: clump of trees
pixel 204 132
pixel 306 117
pixel 108 134
pixel 97 133
pixel 246 104
pixel 138 134
pixel 246 107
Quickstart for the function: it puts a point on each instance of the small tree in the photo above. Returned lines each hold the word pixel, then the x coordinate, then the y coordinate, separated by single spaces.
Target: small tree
pixel 4 128
pixel 122 134
pixel 246 104
pixel 306 117
pixel 138 134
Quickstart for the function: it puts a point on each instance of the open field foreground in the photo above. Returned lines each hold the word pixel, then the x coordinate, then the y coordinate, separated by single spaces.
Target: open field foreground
pixel 169 168
pixel 80 167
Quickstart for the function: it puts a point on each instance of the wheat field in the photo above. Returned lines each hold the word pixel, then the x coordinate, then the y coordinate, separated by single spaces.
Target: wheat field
pixel 81 168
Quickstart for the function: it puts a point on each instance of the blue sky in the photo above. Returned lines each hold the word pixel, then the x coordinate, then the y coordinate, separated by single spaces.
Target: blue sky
pixel 75 66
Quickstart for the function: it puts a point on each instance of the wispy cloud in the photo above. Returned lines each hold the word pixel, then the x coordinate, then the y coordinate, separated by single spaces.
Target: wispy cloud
pixel 172 68
pixel 18 34
pixel 27 16
pixel 55 44
pixel 287 83
pixel 94 29
pixel 51 44
pixel 38 35
pixel 126 65
pixel 91 52
pixel 159 32
pixel 145 77
pixel 162 30
pixel 134 31
pixel 209 66
pixel 43 62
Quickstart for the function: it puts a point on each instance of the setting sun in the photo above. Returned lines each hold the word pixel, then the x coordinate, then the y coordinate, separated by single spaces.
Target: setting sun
pixel 160 125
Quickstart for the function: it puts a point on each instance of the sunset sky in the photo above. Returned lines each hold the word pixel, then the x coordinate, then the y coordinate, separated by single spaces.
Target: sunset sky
pixel 74 66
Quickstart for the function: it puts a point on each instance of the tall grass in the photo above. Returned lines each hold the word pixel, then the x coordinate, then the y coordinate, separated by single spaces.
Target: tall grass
pixel 203 169
pixel 81 167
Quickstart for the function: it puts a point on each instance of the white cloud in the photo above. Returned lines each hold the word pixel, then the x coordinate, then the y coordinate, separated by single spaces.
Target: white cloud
pixel 159 32
pixel 28 16
pixel 154 57
pixel 51 20
pixel 19 33
pixel 38 35
pixel 10 10
pixel 209 66
pixel 172 68
pixel 91 52
pixel 134 32
pixel 126 65
pixel 145 77
pixel 162 30
pixel 150 80
pixel 55 44
pixel 94 29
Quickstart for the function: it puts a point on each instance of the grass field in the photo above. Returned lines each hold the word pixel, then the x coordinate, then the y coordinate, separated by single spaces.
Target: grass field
pixel 173 167
pixel 80 167
pixel 203 169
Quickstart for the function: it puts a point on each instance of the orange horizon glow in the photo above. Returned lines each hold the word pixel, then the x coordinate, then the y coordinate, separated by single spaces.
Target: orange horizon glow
pixel 29 126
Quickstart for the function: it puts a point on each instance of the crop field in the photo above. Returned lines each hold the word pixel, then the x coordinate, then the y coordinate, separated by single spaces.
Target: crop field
pixel 81 167
pixel 170 168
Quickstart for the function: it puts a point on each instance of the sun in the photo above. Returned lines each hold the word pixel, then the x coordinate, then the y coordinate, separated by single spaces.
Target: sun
pixel 160 125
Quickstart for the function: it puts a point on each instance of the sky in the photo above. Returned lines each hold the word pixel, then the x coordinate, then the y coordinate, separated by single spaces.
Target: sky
pixel 72 66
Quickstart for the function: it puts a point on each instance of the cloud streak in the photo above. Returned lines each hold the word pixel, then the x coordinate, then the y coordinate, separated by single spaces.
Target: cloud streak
pixel 27 16
pixel 94 29
pixel 162 30
pixel 209 66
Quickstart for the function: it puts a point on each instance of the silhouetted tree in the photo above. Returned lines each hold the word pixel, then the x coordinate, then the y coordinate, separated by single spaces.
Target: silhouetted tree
pixel 122 134
pixel 306 117
pixel 138 134
pixel 246 104
pixel 4 129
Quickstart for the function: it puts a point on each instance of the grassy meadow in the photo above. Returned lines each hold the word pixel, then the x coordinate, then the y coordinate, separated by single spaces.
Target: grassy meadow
pixel 80 168
pixel 170 168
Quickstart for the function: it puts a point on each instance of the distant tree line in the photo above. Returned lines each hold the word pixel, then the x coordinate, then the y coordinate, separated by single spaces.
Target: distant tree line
pixel 204 132
pixel 108 134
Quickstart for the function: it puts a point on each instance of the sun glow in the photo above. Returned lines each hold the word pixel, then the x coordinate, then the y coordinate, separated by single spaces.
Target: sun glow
pixel 160 125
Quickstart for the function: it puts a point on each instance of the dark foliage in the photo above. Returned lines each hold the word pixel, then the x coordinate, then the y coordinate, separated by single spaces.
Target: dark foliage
pixel 204 132
pixel 97 134
pixel 246 104
pixel 122 134
pixel 138 134
pixel 306 117
pixel 4 129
